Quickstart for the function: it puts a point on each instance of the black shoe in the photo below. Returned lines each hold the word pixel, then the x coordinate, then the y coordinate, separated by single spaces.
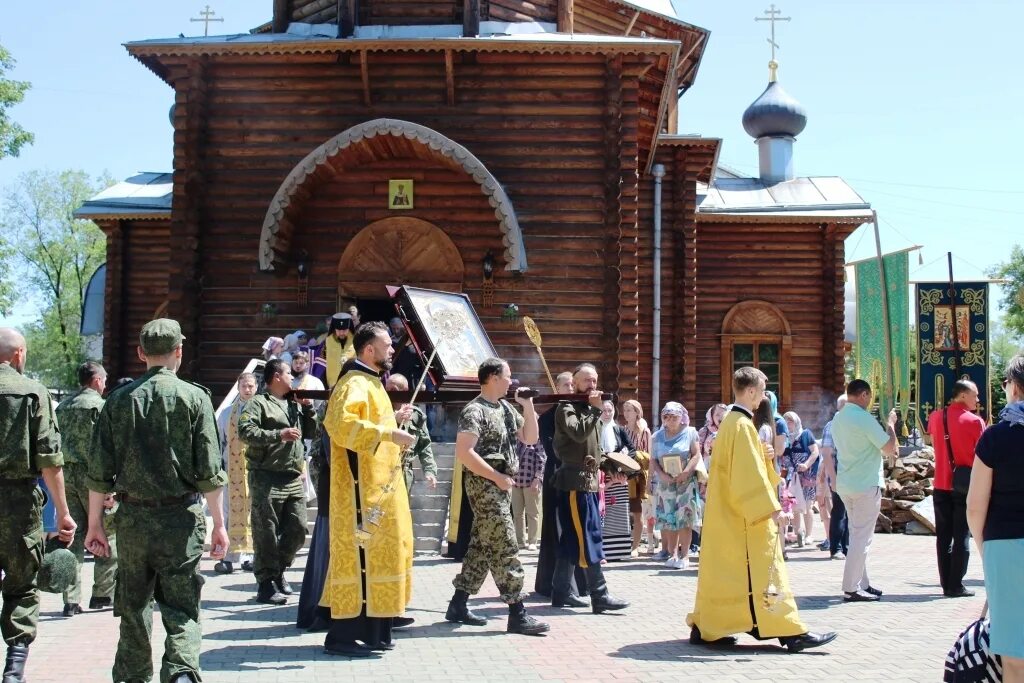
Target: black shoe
pixel 223 567
pixel 318 625
pixel 860 596
pixel 606 603
pixel 184 677
pixel 268 595
pixel 100 603
pixel 962 593
pixel 522 623
pixel 458 612
pixel 569 601
pixel 72 609
pixel 696 639
pixel 402 622
pixel 807 641
pixel 247 566
pixel 282 585
pixel 381 647
pixel 352 649
pixel 14 669
pixel 873 591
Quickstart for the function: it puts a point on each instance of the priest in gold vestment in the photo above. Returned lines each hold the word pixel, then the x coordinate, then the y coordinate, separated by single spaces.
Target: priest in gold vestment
pixel 742 583
pixel 368 585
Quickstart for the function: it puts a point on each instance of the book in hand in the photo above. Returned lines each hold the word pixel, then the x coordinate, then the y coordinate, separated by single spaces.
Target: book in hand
pixel 672 464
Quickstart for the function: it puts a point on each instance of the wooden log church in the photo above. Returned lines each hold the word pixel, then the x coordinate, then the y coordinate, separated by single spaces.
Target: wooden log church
pixel 520 152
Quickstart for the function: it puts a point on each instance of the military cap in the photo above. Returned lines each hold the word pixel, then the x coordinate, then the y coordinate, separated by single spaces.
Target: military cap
pixel 58 569
pixel 161 336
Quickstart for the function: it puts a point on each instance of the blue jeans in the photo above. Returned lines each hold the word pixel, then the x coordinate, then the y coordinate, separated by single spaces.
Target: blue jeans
pixel 838 530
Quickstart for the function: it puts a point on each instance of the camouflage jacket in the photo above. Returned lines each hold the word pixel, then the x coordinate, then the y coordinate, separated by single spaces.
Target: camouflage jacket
pixel 156 438
pixel 29 437
pixel 77 415
pixel 422 448
pixel 495 425
pixel 260 426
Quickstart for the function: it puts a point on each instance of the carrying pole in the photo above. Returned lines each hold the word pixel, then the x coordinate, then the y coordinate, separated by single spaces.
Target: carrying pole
pixel 956 331
pixel 889 388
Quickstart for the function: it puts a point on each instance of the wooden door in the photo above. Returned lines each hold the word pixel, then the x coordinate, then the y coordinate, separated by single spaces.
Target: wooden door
pixel 399 251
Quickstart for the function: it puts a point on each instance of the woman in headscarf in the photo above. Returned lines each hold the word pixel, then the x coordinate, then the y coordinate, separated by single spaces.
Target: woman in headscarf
pixel 678 505
pixel 706 434
pixel 272 348
pixel 292 343
pixel 640 433
pixel 801 459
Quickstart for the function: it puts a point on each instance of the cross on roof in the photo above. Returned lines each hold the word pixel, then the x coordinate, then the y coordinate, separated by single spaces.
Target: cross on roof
pixel 773 16
pixel 206 16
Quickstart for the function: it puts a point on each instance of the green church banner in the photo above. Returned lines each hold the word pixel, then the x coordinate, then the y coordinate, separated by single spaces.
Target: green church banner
pixel 871 358
pixel 938 342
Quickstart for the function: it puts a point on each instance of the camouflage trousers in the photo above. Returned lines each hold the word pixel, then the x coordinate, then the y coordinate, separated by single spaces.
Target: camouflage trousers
pixel 492 542
pixel 105 569
pixel 278 519
pixel 21 552
pixel 160 552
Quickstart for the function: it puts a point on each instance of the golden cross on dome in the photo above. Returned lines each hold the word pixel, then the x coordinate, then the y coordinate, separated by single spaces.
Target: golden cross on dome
pixel 773 16
pixel 206 16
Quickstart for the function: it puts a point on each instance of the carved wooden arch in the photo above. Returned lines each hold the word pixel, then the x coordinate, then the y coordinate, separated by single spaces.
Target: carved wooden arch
pixel 278 224
pixel 757 322
pixel 396 251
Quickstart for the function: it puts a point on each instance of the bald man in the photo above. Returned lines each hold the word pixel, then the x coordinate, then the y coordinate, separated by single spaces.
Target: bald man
pixel 29 447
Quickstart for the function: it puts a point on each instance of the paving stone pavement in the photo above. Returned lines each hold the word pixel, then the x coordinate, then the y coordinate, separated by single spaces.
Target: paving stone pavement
pixel 903 638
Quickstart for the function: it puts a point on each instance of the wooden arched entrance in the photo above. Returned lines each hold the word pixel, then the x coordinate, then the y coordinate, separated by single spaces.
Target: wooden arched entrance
pixel 398 251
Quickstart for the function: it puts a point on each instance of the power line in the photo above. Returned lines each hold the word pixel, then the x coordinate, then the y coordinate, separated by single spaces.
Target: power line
pixel 953 204
pixel 936 187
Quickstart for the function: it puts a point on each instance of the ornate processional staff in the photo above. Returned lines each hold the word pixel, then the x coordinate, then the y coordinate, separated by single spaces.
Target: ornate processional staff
pixel 534 334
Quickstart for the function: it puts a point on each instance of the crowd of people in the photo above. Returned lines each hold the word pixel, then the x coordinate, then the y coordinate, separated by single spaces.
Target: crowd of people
pixel 740 492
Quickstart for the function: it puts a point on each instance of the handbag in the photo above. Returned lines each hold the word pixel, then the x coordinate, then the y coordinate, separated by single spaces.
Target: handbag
pixel 961 475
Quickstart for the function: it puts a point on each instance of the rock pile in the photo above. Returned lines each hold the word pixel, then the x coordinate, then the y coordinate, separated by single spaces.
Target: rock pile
pixel 908 482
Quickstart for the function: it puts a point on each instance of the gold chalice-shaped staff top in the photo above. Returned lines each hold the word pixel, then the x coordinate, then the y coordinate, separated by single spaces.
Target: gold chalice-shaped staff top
pixel 534 334
pixel 449 324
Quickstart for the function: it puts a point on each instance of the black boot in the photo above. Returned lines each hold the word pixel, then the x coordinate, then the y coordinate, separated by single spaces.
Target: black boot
pixel 521 622
pixel 71 609
pixel 267 594
pixel 282 585
pixel 562 594
pixel 14 669
pixel 224 567
pixel 458 612
pixel 600 599
pixel 99 603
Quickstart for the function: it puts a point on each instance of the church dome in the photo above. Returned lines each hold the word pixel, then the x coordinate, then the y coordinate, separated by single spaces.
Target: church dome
pixel 774 114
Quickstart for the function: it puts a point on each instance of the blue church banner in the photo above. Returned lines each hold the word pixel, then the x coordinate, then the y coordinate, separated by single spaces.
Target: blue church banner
pixel 937 347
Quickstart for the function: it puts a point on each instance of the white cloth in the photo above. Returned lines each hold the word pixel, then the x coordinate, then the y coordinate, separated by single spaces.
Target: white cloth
pixel 862 512
pixel 608 440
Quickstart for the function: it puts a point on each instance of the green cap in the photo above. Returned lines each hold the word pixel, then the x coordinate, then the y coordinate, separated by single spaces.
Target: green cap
pixel 161 336
pixel 58 569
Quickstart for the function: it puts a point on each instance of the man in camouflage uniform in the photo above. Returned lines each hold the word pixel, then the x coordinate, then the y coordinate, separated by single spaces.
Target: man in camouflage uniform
pixel 29 446
pixel 273 428
pixel 422 450
pixel 78 415
pixel 156 446
pixel 486 446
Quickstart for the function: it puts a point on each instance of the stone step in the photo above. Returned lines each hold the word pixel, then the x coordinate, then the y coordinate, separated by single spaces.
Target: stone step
pixel 430 516
pixel 427 545
pixel 430 499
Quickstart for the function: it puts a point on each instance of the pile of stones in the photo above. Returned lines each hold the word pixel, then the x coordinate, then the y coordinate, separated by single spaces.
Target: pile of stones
pixel 907 496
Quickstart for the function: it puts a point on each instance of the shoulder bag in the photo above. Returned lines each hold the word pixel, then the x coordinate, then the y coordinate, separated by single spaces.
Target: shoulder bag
pixel 961 475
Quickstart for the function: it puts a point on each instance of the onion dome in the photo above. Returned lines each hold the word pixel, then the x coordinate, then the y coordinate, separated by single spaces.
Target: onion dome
pixel 774 114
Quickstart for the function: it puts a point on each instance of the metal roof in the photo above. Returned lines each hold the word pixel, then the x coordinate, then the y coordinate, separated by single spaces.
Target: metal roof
pixel 145 195
pixel 826 196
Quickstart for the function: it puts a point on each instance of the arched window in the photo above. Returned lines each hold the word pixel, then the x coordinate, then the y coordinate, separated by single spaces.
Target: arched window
pixel 757 333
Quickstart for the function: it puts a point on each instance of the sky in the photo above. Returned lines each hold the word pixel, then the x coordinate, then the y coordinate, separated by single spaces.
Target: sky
pixel 914 103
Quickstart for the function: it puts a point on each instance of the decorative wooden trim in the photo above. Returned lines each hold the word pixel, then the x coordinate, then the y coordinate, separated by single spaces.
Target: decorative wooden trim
pixel 275 239
pixel 632 23
pixel 729 323
pixel 628 242
pixel 687 273
pixel 613 132
pixel 449 77
pixel 781 334
pixel 185 270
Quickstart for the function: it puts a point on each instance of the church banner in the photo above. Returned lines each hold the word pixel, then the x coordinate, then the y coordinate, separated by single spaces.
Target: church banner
pixel 937 337
pixel 871 357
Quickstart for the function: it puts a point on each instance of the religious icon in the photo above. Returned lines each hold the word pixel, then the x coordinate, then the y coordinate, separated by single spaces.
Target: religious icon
pixel 944 336
pixel 400 194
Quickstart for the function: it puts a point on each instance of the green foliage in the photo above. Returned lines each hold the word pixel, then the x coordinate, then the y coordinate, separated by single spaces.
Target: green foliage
pixel 1003 345
pixel 12 136
pixel 48 255
pixel 1012 303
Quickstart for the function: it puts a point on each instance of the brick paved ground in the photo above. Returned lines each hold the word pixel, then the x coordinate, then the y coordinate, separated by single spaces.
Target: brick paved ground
pixel 903 638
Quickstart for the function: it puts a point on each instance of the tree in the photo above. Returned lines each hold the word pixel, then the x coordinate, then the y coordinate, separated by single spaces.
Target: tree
pixel 1012 303
pixel 1003 346
pixel 12 136
pixel 48 254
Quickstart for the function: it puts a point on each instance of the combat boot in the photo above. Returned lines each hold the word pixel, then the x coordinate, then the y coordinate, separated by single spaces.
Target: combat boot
pixel 282 585
pixel 268 595
pixel 521 622
pixel 600 599
pixel 458 611
pixel 561 586
pixel 14 669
